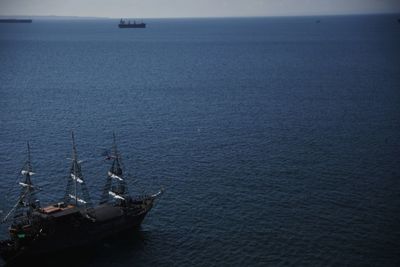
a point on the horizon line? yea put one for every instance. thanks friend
(205, 17)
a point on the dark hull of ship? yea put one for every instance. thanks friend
(15, 21)
(61, 236)
(124, 26)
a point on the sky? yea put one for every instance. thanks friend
(193, 8)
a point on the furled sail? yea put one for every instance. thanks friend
(77, 199)
(112, 175)
(114, 195)
(74, 177)
(24, 172)
(25, 185)
(157, 194)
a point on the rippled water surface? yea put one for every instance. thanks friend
(277, 140)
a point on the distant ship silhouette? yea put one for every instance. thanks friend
(15, 21)
(123, 24)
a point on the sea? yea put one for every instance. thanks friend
(276, 140)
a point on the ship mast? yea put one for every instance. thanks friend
(74, 166)
(76, 192)
(27, 201)
(115, 185)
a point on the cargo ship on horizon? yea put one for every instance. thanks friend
(15, 20)
(123, 24)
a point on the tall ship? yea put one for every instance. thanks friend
(75, 221)
(123, 24)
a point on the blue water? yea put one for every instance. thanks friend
(277, 140)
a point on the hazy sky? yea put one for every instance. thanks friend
(194, 8)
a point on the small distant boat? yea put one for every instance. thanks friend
(15, 21)
(124, 24)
